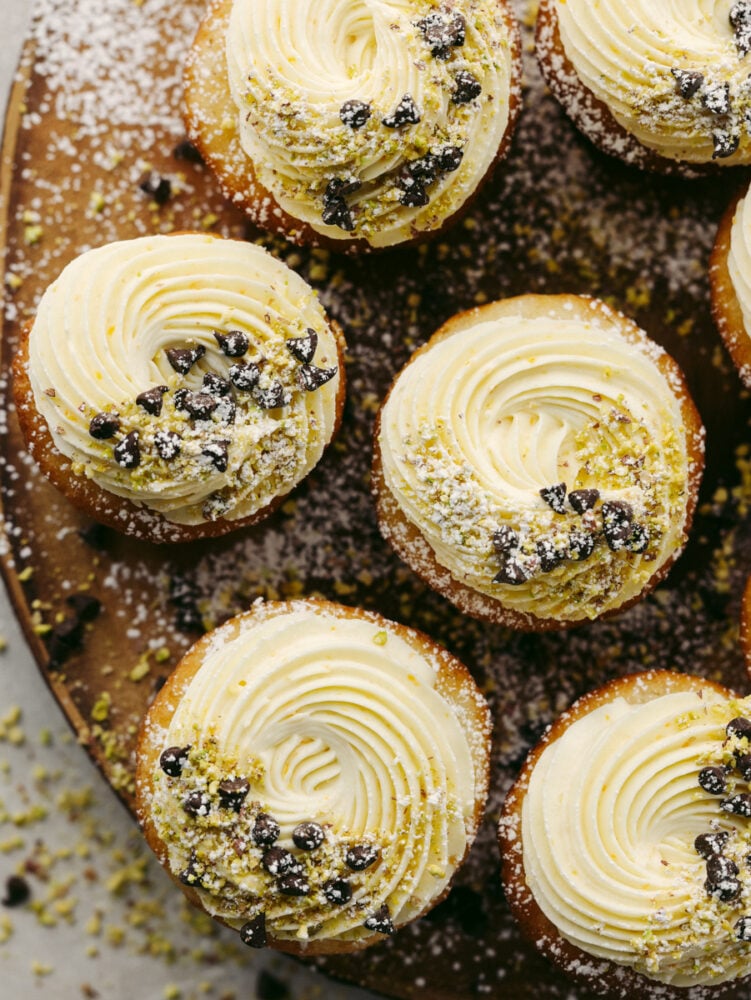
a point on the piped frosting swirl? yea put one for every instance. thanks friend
(131, 367)
(523, 447)
(618, 837)
(371, 118)
(675, 76)
(336, 720)
(739, 259)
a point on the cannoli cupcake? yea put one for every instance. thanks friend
(177, 387)
(660, 85)
(626, 840)
(537, 462)
(353, 127)
(730, 283)
(313, 775)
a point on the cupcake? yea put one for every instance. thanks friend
(353, 127)
(314, 775)
(537, 462)
(626, 839)
(730, 283)
(659, 85)
(178, 387)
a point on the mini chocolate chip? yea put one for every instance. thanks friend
(554, 497)
(127, 453)
(583, 500)
(65, 639)
(245, 377)
(726, 890)
(361, 856)
(505, 540)
(639, 539)
(293, 884)
(216, 385)
(424, 169)
(182, 359)
(739, 727)
(167, 444)
(187, 152)
(194, 874)
(226, 411)
(739, 805)
(743, 763)
(85, 607)
(687, 82)
(740, 20)
(197, 804)
(233, 792)
(550, 556)
(266, 830)
(712, 780)
(312, 378)
(448, 158)
(380, 921)
(617, 523)
(308, 836)
(337, 891)
(442, 32)
(173, 759)
(405, 113)
(716, 98)
(151, 399)
(253, 933)
(413, 193)
(234, 343)
(512, 573)
(277, 861)
(725, 144)
(303, 348)
(218, 454)
(17, 891)
(354, 113)
(104, 426)
(336, 212)
(720, 868)
(272, 397)
(338, 188)
(159, 188)
(467, 87)
(198, 405)
(710, 844)
(743, 929)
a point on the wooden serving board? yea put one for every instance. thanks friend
(95, 105)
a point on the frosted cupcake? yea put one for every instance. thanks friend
(177, 387)
(661, 85)
(730, 283)
(537, 462)
(314, 775)
(626, 840)
(355, 126)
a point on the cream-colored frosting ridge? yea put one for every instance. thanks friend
(739, 259)
(293, 66)
(339, 721)
(484, 418)
(625, 51)
(608, 827)
(100, 338)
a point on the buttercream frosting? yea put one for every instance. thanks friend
(338, 721)
(101, 338)
(294, 67)
(609, 823)
(503, 407)
(739, 259)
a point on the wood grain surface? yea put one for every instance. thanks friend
(97, 104)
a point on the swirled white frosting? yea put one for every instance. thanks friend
(484, 418)
(739, 259)
(608, 827)
(339, 721)
(292, 66)
(99, 340)
(624, 52)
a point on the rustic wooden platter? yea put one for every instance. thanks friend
(95, 105)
